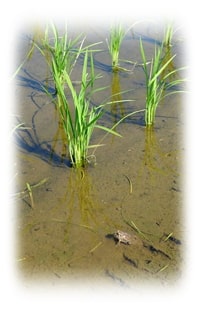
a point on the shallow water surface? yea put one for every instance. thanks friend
(65, 228)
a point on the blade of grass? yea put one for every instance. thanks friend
(30, 194)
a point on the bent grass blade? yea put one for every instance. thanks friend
(30, 194)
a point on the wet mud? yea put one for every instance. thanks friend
(65, 224)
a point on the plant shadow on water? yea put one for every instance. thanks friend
(28, 141)
(27, 80)
(135, 183)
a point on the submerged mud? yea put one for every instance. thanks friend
(66, 222)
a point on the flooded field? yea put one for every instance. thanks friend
(67, 219)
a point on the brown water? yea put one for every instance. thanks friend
(135, 184)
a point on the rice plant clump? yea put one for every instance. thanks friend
(117, 34)
(157, 81)
(79, 118)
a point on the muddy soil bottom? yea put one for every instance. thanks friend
(64, 237)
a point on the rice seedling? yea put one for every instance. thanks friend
(78, 117)
(167, 41)
(157, 81)
(80, 121)
(117, 34)
(64, 52)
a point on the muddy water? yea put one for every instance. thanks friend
(134, 183)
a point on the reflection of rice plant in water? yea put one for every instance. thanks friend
(157, 81)
(117, 108)
(117, 34)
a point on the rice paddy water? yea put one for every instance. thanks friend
(132, 184)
